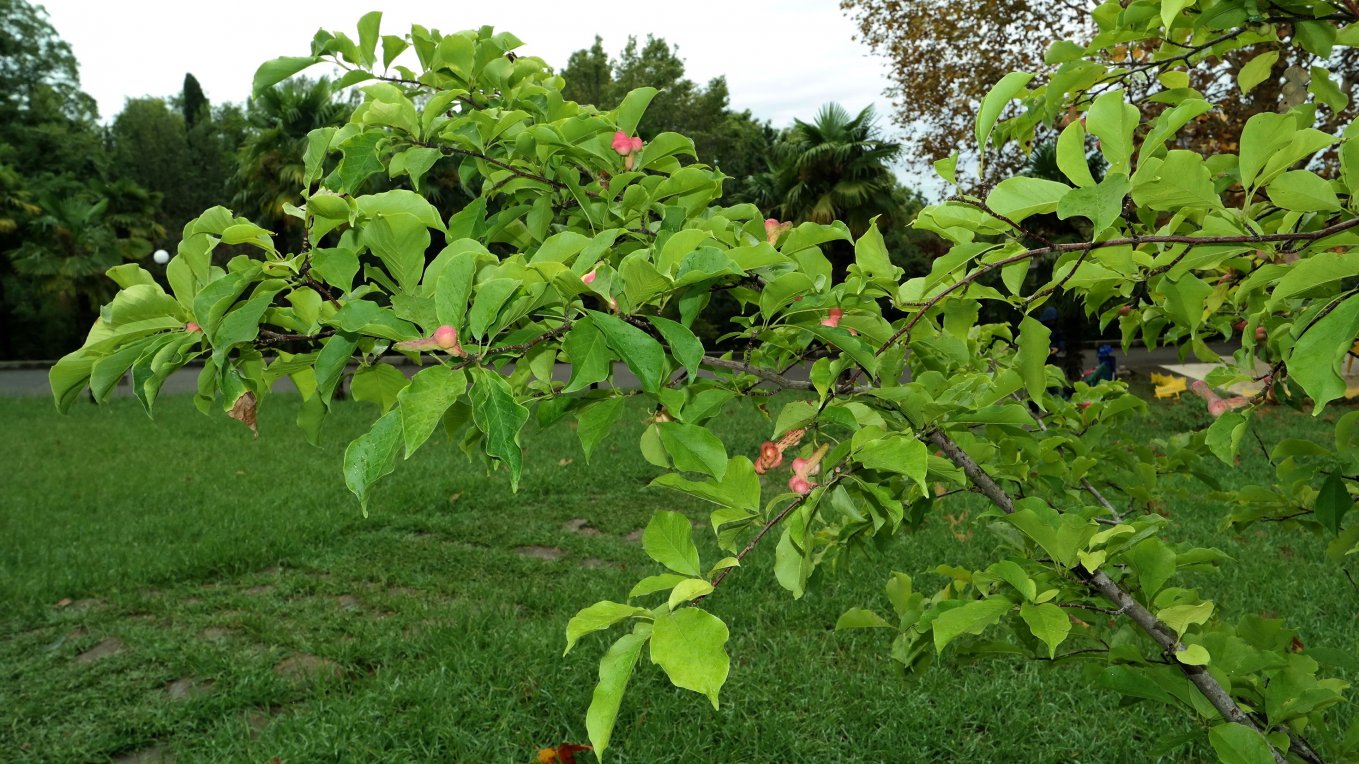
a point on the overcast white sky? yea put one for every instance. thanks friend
(782, 59)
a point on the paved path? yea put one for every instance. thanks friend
(33, 381)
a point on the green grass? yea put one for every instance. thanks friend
(212, 557)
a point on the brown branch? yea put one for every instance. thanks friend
(1003, 219)
(269, 337)
(1044, 292)
(1102, 585)
(1193, 241)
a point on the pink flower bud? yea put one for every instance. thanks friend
(771, 457)
(446, 337)
(832, 318)
(773, 229)
(1221, 406)
(192, 327)
(626, 146)
(590, 277)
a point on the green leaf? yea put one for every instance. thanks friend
(1193, 655)
(870, 254)
(859, 618)
(1048, 623)
(657, 583)
(669, 540)
(1303, 191)
(791, 566)
(1071, 159)
(615, 669)
(598, 617)
(1239, 744)
(643, 354)
(369, 24)
(689, 646)
(1018, 198)
(371, 456)
(498, 415)
(1326, 91)
(453, 285)
(589, 354)
(491, 297)
(596, 421)
(1154, 563)
(1169, 123)
(1314, 362)
(400, 241)
(424, 402)
(1034, 347)
(970, 618)
(632, 108)
(896, 453)
(852, 346)
(1100, 203)
(380, 383)
(1333, 501)
(694, 449)
(1170, 10)
(1010, 86)
(273, 72)
(1181, 617)
(684, 346)
(1224, 435)
(1112, 120)
(1316, 270)
(1256, 70)
(687, 590)
(1262, 137)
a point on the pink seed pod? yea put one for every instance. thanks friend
(833, 317)
(590, 277)
(800, 485)
(192, 327)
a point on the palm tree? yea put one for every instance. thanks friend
(835, 168)
(270, 172)
(70, 245)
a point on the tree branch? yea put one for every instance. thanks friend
(1102, 585)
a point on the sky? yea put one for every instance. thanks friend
(782, 60)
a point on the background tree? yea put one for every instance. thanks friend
(836, 167)
(733, 141)
(193, 104)
(148, 144)
(944, 56)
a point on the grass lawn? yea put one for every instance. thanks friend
(229, 603)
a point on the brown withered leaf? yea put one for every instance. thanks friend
(243, 411)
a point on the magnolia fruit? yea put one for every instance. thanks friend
(192, 327)
(1260, 334)
(833, 317)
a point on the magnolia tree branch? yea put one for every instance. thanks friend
(1192, 241)
(1105, 587)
